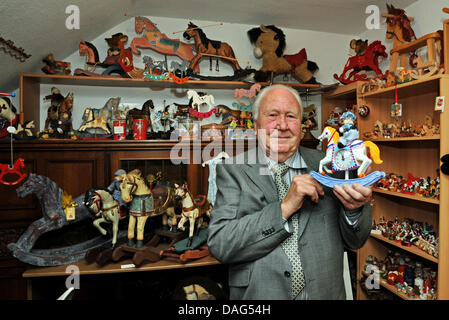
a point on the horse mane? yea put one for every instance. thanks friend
(94, 49)
(149, 26)
(204, 39)
(254, 34)
(407, 31)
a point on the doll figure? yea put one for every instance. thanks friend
(114, 188)
(348, 129)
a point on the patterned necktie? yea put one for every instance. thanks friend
(290, 245)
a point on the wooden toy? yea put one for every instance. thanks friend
(193, 209)
(405, 42)
(105, 209)
(50, 196)
(155, 40)
(206, 47)
(100, 118)
(55, 67)
(365, 60)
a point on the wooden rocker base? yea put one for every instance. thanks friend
(149, 252)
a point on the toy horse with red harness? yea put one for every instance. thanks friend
(101, 203)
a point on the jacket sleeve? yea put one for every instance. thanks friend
(355, 235)
(237, 233)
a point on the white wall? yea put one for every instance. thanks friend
(328, 50)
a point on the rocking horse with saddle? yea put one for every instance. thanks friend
(367, 61)
(346, 157)
(405, 45)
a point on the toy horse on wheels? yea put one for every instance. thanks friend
(349, 157)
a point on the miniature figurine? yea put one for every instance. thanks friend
(114, 188)
(349, 130)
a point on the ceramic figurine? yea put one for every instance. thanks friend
(345, 159)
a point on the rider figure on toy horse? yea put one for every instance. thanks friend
(348, 129)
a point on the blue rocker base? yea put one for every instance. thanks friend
(365, 181)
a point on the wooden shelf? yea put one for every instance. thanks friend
(93, 268)
(414, 250)
(407, 196)
(390, 90)
(435, 137)
(112, 81)
(344, 91)
(392, 288)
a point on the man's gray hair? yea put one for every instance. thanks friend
(265, 90)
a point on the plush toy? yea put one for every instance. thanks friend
(270, 44)
(9, 118)
(359, 46)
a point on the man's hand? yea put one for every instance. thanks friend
(301, 187)
(354, 196)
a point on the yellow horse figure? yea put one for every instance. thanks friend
(356, 150)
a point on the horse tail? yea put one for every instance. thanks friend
(374, 152)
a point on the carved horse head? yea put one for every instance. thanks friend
(398, 24)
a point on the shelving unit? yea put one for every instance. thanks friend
(417, 155)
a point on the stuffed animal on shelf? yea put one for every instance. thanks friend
(270, 44)
(359, 46)
(9, 118)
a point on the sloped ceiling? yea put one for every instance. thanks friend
(38, 26)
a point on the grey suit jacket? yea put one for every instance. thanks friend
(246, 230)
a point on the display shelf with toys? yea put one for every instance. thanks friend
(403, 275)
(411, 129)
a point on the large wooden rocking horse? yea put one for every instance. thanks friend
(405, 43)
(206, 47)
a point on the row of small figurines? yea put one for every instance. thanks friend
(424, 187)
(403, 129)
(408, 233)
(409, 277)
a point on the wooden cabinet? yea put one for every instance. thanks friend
(417, 155)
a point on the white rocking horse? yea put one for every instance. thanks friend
(350, 157)
(198, 100)
(192, 209)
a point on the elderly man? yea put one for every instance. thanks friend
(280, 231)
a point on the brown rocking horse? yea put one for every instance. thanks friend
(206, 47)
(404, 43)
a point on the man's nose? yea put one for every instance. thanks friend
(282, 123)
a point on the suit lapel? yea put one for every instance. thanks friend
(262, 180)
(308, 206)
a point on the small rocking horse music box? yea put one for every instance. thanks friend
(347, 153)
